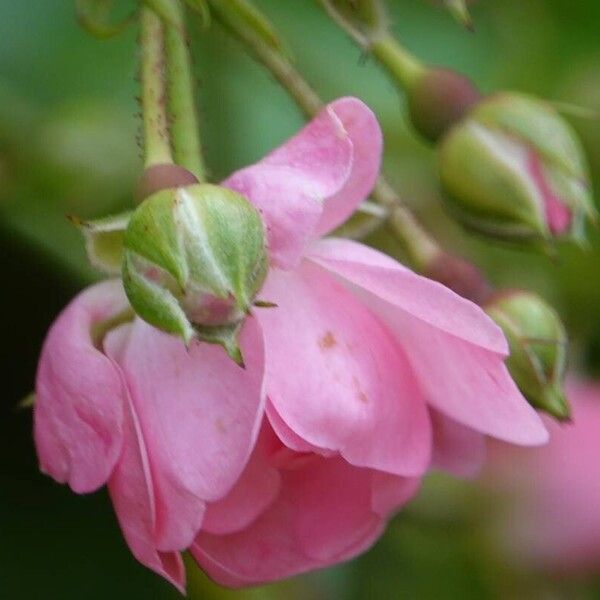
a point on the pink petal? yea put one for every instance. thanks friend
(333, 160)
(558, 215)
(324, 515)
(363, 130)
(199, 414)
(553, 517)
(390, 493)
(423, 299)
(256, 489)
(455, 350)
(79, 408)
(132, 491)
(456, 448)
(336, 377)
(288, 437)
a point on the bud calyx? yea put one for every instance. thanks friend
(538, 348)
(194, 259)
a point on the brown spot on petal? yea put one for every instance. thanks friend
(360, 394)
(220, 426)
(327, 341)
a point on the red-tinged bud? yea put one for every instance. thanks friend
(514, 169)
(438, 99)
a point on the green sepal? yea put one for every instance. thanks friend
(152, 233)
(225, 336)
(27, 402)
(458, 9)
(235, 236)
(95, 17)
(538, 348)
(104, 240)
(155, 303)
(485, 192)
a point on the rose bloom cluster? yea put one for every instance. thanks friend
(360, 378)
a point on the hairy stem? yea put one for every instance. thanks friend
(156, 144)
(183, 117)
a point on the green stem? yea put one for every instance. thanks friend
(404, 67)
(157, 149)
(272, 59)
(183, 118)
(420, 247)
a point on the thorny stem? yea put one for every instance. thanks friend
(420, 246)
(183, 118)
(156, 145)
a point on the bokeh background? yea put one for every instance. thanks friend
(68, 145)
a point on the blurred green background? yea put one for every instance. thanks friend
(68, 130)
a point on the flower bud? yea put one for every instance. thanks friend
(513, 169)
(439, 98)
(538, 348)
(194, 259)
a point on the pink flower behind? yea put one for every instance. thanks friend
(553, 493)
(372, 375)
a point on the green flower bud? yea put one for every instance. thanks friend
(194, 259)
(538, 348)
(513, 169)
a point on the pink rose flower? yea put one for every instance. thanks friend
(552, 517)
(362, 377)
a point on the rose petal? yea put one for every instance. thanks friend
(199, 413)
(256, 489)
(456, 448)
(133, 495)
(455, 350)
(323, 515)
(79, 406)
(336, 377)
(419, 297)
(364, 131)
(315, 180)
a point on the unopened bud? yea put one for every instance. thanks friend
(439, 98)
(194, 260)
(538, 348)
(513, 169)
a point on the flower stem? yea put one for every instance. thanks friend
(420, 247)
(404, 67)
(157, 149)
(183, 117)
(267, 54)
